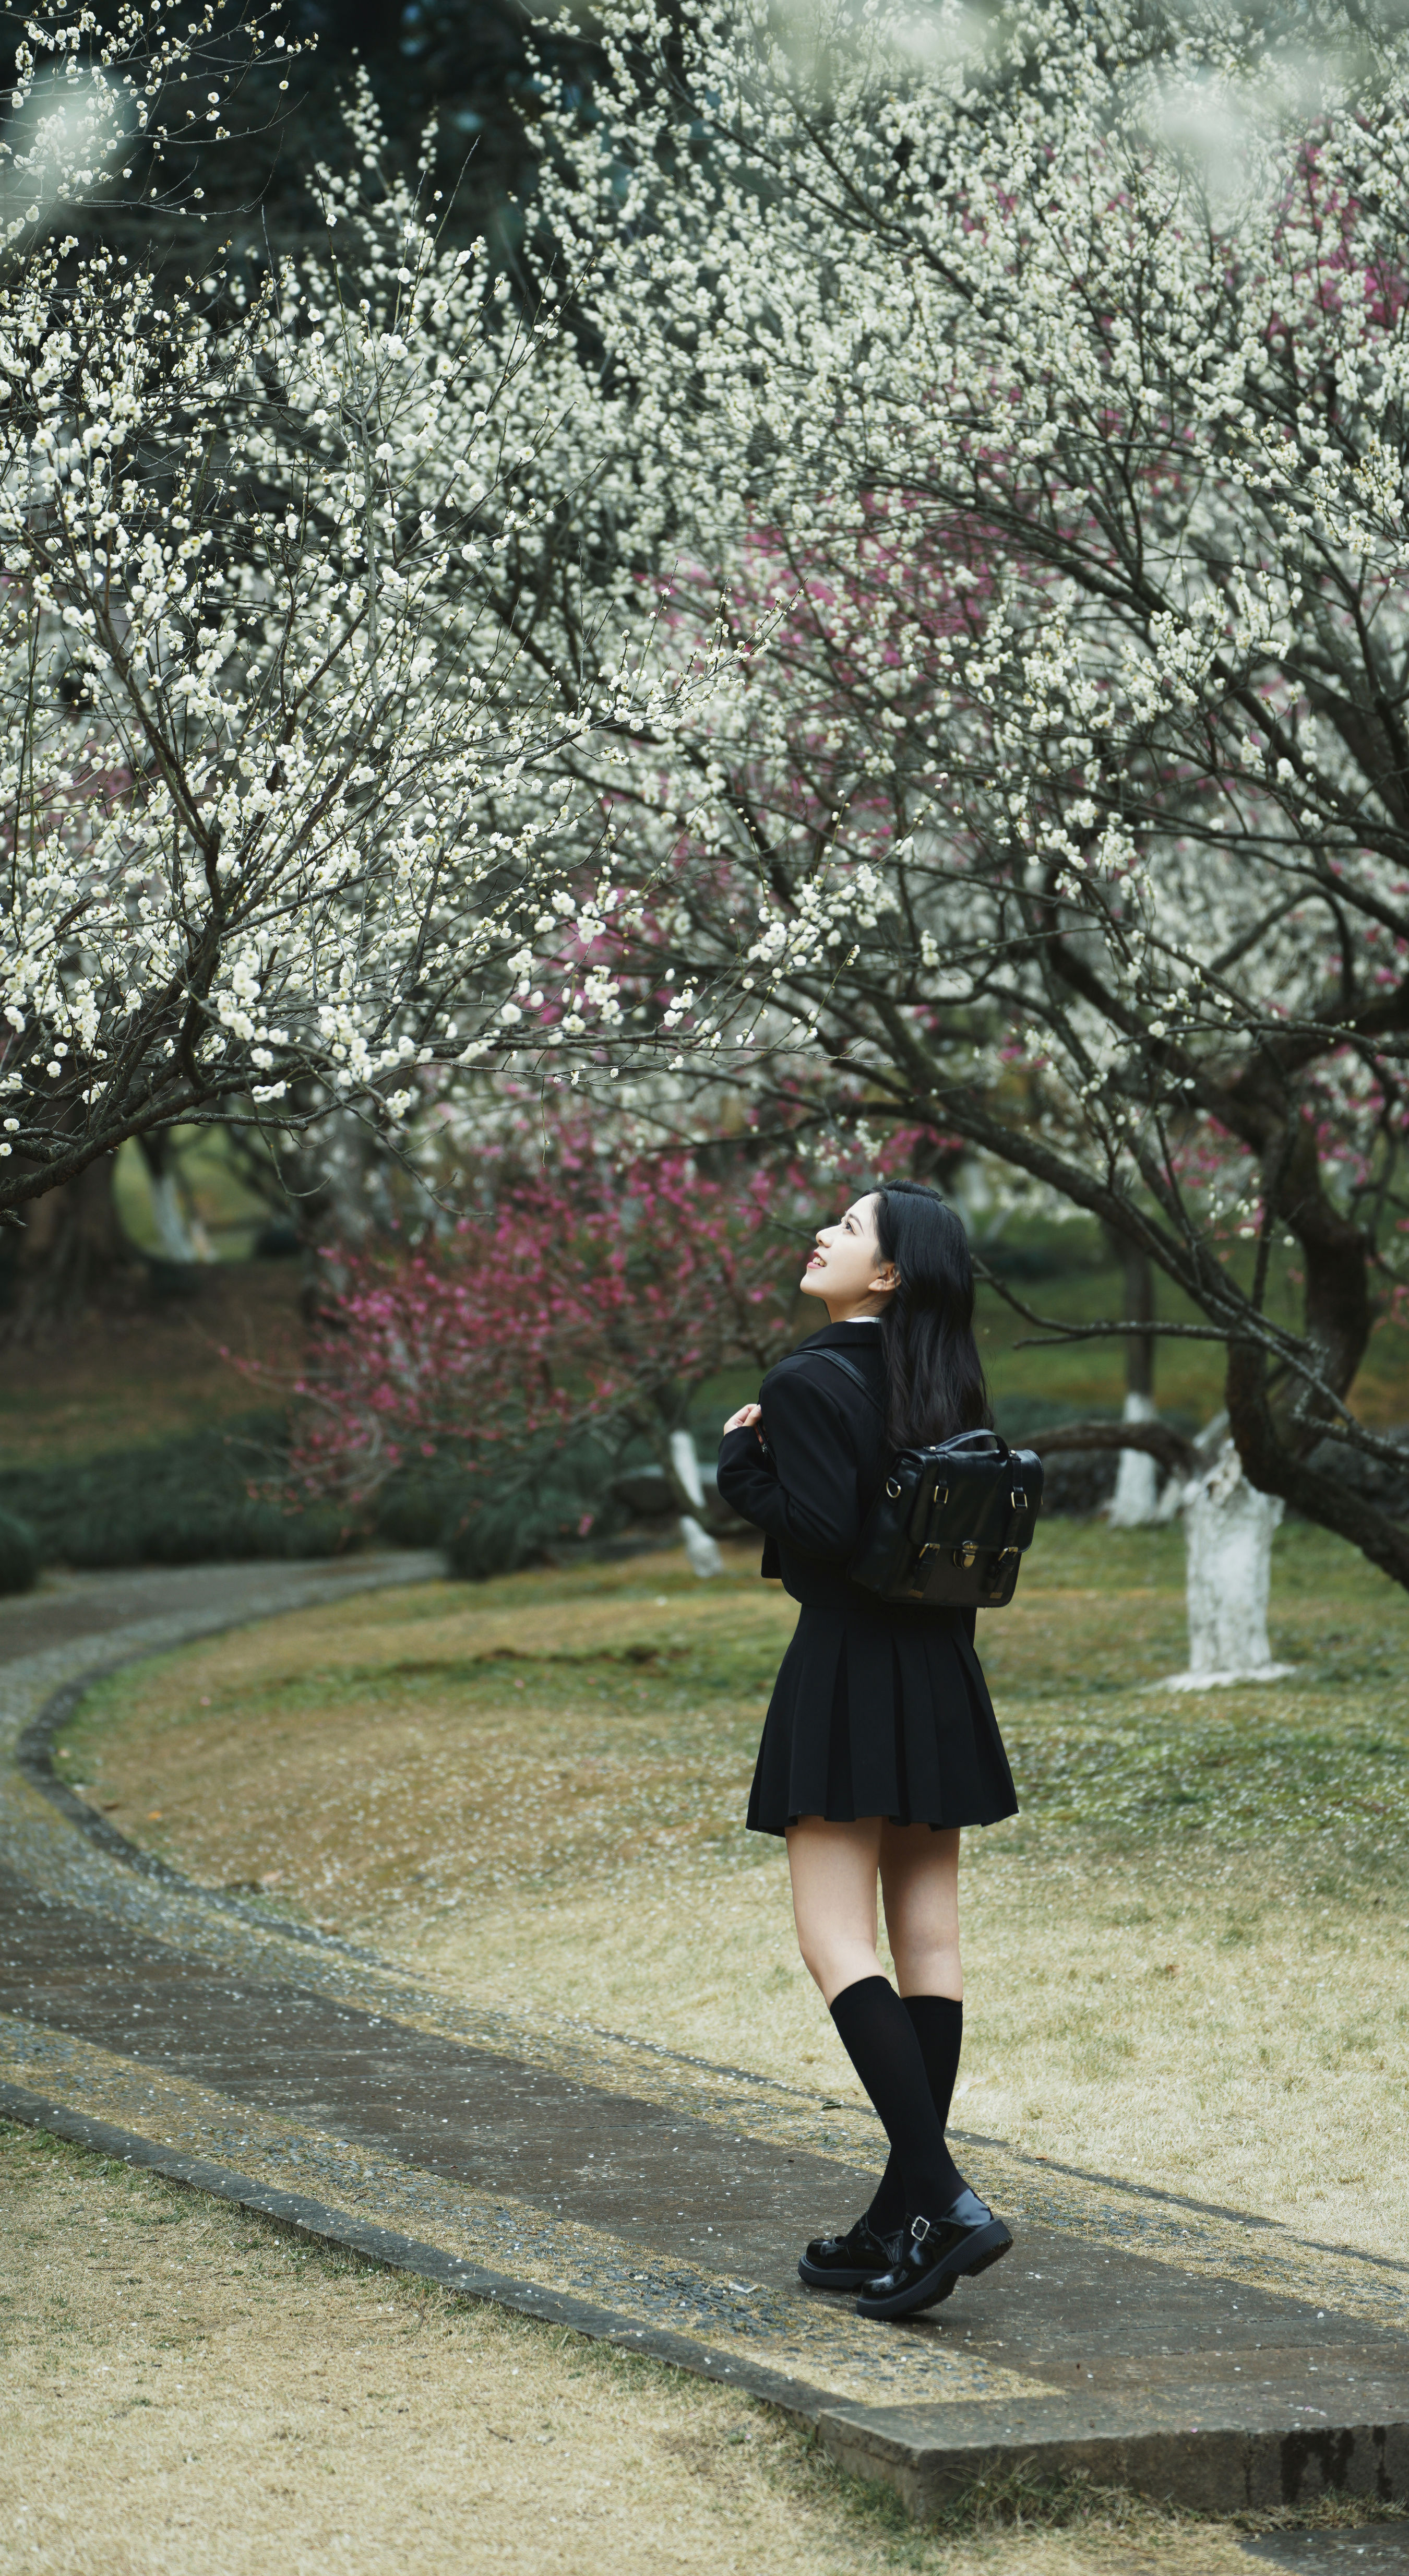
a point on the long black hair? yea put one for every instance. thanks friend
(934, 1376)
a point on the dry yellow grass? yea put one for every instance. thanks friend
(189, 2392)
(1185, 1957)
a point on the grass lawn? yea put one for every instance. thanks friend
(1185, 1956)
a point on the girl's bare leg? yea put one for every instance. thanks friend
(833, 1869)
(920, 1884)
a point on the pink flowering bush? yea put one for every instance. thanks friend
(591, 1297)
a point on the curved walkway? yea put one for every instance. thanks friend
(626, 2191)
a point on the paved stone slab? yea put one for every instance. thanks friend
(1067, 2313)
(1377, 2548)
(1075, 2351)
(68, 1607)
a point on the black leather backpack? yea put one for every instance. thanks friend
(949, 1525)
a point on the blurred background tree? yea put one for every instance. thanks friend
(461, 66)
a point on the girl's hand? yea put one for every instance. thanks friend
(745, 1418)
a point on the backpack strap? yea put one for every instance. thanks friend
(850, 1369)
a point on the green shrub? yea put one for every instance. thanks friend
(544, 1498)
(414, 1506)
(178, 1502)
(19, 1556)
(187, 1502)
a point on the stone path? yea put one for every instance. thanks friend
(629, 2191)
(1371, 2549)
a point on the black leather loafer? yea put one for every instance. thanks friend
(938, 2252)
(848, 2262)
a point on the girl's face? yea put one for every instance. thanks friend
(846, 1270)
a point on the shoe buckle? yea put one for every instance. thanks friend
(919, 2229)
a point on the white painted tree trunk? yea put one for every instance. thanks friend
(1136, 1498)
(168, 1216)
(700, 1548)
(1228, 1527)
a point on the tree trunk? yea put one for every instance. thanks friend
(174, 1231)
(1135, 1501)
(71, 1249)
(1338, 1314)
(700, 1548)
(1228, 1529)
(323, 1173)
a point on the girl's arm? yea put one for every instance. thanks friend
(805, 1492)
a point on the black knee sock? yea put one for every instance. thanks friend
(938, 2022)
(882, 2042)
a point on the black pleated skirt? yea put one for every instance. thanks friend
(880, 1716)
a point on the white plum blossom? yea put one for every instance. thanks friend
(282, 793)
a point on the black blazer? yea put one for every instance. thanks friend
(811, 1491)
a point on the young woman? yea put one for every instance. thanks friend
(880, 1741)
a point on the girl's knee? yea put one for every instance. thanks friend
(929, 1968)
(835, 1963)
(817, 1958)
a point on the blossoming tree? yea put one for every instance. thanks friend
(1069, 813)
(1062, 451)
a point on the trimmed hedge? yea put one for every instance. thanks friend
(177, 1502)
(186, 1502)
(545, 1499)
(19, 1556)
